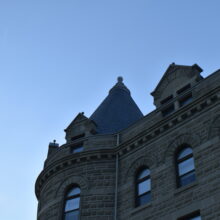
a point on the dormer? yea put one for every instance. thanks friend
(79, 128)
(173, 90)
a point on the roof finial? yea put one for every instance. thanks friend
(120, 79)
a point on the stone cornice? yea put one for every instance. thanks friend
(52, 157)
(68, 161)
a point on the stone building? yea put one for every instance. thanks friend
(120, 164)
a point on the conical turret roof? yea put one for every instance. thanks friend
(117, 111)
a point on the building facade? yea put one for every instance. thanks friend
(121, 165)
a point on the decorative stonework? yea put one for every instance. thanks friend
(79, 180)
(189, 139)
(175, 74)
(168, 78)
(148, 161)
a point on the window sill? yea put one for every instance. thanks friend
(184, 188)
(139, 208)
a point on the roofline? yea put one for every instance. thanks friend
(196, 66)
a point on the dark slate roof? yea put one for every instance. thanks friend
(117, 111)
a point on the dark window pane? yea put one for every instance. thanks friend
(188, 178)
(141, 200)
(185, 100)
(144, 187)
(72, 215)
(77, 149)
(74, 191)
(77, 137)
(186, 166)
(168, 110)
(185, 152)
(144, 173)
(166, 99)
(196, 218)
(72, 204)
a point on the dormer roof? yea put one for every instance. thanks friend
(78, 119)
(175, 77)
(80, 126)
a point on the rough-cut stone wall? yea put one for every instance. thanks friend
(168, 201)
(97, 181)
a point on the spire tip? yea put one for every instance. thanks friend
(120, 79)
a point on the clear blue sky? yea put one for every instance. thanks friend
(58, 58)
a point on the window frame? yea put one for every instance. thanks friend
(138, 182)
(185, 100)
(67, 198)
(168, 110)
(167, 99)
(77, 146)
(78, 137)
(183, 89)
(178, 161)
(191, 215)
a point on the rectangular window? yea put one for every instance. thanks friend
(195, 216)
(77, 148)
(77, 137)
(168, 110)
(166, 99)
(185, 100)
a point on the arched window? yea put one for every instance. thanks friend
(185, 166)
(72, 203)
(143, 187)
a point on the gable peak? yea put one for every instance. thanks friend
(175, 77)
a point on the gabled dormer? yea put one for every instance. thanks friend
(80, 127)
(173, 90)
